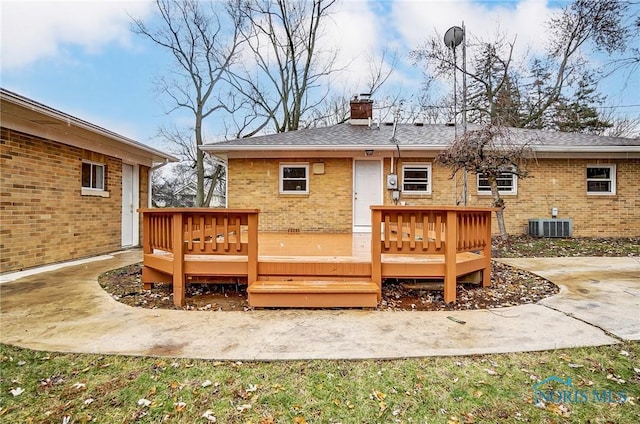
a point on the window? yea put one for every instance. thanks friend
(416, 178)
(294, 178)
(507, 183)
(601, 179)
(93, 175)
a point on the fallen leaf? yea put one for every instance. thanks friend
(299, 420)
(378, 395)
(179, 406)
(243, 408)
(17, 391)
(208, 415)
(559, 409)
(79, 386)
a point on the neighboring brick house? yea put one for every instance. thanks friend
(68, 188)
(325, 179)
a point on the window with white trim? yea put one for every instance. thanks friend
(416, 178)
(601, 179)
(507, 183)
(294, 178)
(93, 176)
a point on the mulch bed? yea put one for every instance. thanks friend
(509, 287)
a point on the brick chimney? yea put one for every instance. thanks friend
(361, 110)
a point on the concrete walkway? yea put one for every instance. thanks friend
(64, 309)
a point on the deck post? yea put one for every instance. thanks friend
(146, 233)
(450, 250)
(146, 243)
(252, 248)
(486, 252)
(178, 260)
(376, 250)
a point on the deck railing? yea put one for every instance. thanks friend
(181, 241)
(418, 230)
(201, 231)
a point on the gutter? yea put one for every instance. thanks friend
(392, 147)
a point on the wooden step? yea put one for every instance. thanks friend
(313, 294)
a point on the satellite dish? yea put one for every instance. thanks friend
(453, 37)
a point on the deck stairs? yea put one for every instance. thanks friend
(314, 282)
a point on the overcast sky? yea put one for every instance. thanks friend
(81, 57)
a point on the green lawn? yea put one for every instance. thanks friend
(71, 388)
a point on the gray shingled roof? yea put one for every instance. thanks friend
(416, 136)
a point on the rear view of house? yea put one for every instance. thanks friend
(326, 179)
(69, 189)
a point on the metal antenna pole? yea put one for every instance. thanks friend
(464, 104)
(452, 38)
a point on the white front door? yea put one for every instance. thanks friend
(128, 206)
(367, 191)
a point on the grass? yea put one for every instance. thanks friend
(71, 388)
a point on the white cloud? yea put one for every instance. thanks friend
(33, 30)
(360, 28)
(417, 21)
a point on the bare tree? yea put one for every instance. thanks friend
(204, 43)
(183, 146)
(489, 74)
(495, 80)
(489, 151)
(582, 21)
(621, 126)
(283, 84)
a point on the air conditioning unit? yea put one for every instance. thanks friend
(540, 227)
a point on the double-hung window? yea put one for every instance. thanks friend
(601, 179)
(416, 178)
(294, 178)
(93, 176)
(507, 183)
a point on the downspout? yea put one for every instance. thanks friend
(149, 182)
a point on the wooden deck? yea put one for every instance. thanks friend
(312, 269)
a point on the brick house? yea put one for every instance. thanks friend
(325, 179)
(69, 189)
